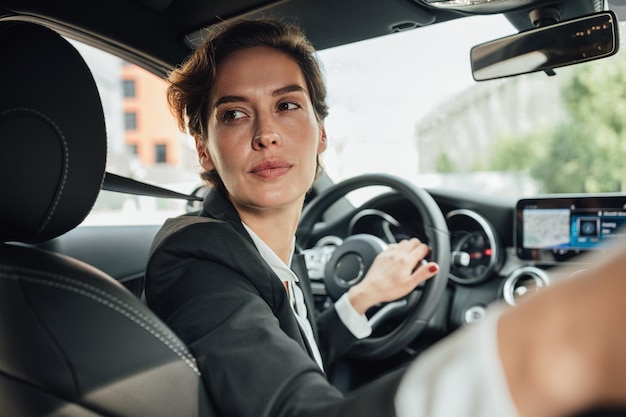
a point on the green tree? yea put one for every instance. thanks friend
(587, 152)
(574, 163)
(518, 153)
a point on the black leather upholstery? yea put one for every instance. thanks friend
(53, 140)
(73, 341)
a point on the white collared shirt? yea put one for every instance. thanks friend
(355, 322)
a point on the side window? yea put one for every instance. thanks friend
(144, 142)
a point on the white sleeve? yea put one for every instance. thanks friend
(460, 376)
(355, 322)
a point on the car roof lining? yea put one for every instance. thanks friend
(155, 30)
(154, 34)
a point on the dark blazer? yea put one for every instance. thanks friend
(207, 281)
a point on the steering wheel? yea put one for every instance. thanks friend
(350, 261)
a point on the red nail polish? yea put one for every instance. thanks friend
(432, 268)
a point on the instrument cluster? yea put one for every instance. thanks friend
(476, 251)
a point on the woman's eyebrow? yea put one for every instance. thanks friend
(289, 89)
(229, 99)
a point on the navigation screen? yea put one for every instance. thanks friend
(560, 228)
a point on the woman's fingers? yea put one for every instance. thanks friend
(395, 272)
(412, 253)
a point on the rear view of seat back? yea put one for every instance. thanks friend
(73, 341)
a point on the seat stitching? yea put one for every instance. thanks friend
(66, 159)
(123, 308)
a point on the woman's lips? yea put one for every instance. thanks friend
(271, 168)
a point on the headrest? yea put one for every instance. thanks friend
(52, 134)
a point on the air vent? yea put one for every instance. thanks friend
(523, 282)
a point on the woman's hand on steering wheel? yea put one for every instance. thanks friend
(416, 308)
(395, 272)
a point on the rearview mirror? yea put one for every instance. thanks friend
(565, 43)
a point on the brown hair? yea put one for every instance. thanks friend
(190, 83)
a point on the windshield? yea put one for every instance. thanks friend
(407, 104)
(404, 104)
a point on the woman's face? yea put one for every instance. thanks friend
(264, 137)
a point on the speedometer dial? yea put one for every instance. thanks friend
(476, 251)
(476, 246)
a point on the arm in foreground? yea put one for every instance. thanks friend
(558, 353)
(564, 349)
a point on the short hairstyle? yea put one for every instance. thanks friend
(191, 82)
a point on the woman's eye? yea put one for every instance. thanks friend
(230, 115)
(285, 106)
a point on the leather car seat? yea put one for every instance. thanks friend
(73, 341)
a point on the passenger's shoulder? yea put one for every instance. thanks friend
(193, 230)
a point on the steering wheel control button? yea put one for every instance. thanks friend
(318, 256)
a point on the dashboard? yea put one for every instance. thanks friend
(501, 250)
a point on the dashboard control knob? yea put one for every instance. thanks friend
(474, 314)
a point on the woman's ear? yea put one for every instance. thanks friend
(323, 144)
(203, 155)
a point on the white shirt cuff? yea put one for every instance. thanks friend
(460, 376)
(355, 322)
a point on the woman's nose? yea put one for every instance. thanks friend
(265, 134)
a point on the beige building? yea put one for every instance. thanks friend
(165, 155)
(151, 132)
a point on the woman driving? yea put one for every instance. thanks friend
(231, 283)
